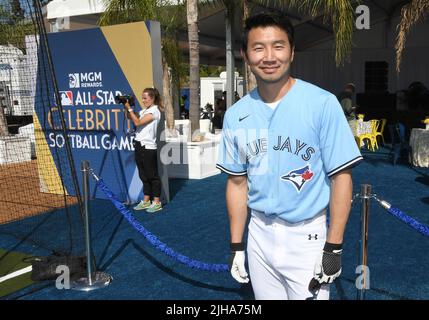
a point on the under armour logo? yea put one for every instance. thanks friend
(310, 237)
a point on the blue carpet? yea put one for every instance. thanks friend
(195, 224)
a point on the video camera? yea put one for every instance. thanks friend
(124, 98)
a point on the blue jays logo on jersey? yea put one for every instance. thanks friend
(299, 177)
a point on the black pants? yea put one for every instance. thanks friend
(147, 164)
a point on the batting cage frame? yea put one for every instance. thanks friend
(41, 206)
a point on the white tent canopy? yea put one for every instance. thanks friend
(71, 8)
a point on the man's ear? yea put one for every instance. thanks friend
(292, 54)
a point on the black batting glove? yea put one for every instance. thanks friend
(328, 266)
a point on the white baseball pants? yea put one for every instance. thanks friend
(282, 256)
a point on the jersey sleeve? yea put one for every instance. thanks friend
(339, 150)
(230, 160)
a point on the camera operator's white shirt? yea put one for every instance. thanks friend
(146, 134)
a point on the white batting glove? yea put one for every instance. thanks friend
(237, 260)
(328, 266)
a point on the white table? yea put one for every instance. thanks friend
(419, 143)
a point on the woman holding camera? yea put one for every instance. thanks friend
(146, 122)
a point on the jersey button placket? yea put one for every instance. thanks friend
(271, 177)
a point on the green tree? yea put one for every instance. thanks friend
(17, 11)
(339, 13)
(13, 28)
(210, 71)
(411, 13)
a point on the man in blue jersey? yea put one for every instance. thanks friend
(288, 151)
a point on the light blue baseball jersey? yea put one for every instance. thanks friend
(289, 153)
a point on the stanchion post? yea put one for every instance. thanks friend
(85, 188)
(93, 280)
(365, 195)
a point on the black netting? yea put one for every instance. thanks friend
(39, 197)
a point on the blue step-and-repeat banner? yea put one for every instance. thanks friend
(92, 66)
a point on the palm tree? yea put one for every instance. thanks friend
(249, 77)
(340, 13)
(171, 57)
(411, 13)
(231, 8)
(17, 12)
(170, 18)
(3, 124)
(194, 66)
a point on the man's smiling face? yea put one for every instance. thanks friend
(269, 54)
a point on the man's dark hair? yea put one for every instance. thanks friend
(268, 20)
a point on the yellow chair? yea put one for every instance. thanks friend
(371, 137)
(380, 133)
(375, 124)
(360, 141)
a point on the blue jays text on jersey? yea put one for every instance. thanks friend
(288, 153)
(296, 147)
